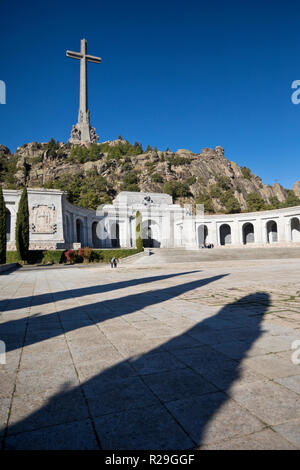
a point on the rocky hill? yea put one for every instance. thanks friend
(95, 174)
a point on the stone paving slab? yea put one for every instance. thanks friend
(262, 440)
(145, 428)
(30, 412)
(76, 435)
(270, 402)
(167, 357)
(292, 383)
(290, 431)
(229, 420)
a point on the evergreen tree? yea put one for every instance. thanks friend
(22, 227)
(138, 231)
(255, 202)
(2, 229)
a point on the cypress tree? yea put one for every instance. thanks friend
(22, 227)
(138, 234)
(2, 229)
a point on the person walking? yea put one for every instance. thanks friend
(113, 262)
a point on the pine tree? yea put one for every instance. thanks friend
(22, 227)
(2, 229)
(138, 231)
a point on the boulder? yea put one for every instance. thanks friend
(219, 151)
(184, 152)
(296, 188)
(4, 151)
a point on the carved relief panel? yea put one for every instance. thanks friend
(43, 218)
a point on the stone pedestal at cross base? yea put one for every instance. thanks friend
(83, 132)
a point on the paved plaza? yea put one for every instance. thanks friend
(179, 356)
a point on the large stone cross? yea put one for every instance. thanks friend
(82, 131)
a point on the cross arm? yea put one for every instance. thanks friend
(74, 55)
(92, 58)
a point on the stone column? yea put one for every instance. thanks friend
(235, 240)
(258, 225)
(288, 230)
(213, 233)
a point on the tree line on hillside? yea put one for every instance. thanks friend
(119, 172)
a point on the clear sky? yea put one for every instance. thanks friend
(178, 74)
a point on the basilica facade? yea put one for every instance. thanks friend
(55, 223)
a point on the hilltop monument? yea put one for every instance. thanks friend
(83, 132)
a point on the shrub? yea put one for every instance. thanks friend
(123, 148)
(176, 189)
(70, 255)
(224, 182)
(38, 256)
(83, 154)
(130, 182)
(292, 199)
(177, 161)
(246, 173)
(52, 147)
(8, 169)
(12, 257)
(205, 199)
(53, 257)
(274, 203)
(87, 253)
(156, 178)
(190, 180)
(106, 255)
(255, 202)
(232, 205)
(215, 191)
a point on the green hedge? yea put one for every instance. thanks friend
(38, 257)
(105, 256)
(57, 256)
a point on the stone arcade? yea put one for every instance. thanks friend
(57, 224)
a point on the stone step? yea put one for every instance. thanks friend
(175, 255)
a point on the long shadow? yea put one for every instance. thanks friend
(167, 398)
(10, 270)
(43, 299)
(46, 326)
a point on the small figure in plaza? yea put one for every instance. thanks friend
(114, 262)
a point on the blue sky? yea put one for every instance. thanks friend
(178, 74)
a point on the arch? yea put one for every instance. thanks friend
(95, 239)
(79, 231)
(150, 234)
(225, 234)
(8, 224)
(248, 233)
(272, 234)
(202, 235)
(115, 235)
(295, 229)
